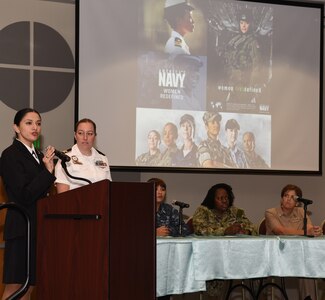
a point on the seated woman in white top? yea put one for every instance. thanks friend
(86, 161)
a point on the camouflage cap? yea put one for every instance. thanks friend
(245, 16)
(210, 116)
(232, 124)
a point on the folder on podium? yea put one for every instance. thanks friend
(97, 242)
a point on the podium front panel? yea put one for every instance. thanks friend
(97, 242)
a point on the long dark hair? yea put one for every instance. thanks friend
(209, 198)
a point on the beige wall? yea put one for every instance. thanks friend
(58, 123)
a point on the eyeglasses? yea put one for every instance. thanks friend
(88, 133)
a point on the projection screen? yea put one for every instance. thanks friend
(203, 85)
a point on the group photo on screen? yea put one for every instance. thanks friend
(192, 139)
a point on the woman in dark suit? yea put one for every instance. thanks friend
(27, 176)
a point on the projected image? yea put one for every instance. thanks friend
(180, 138)
(205, 84)
(228, 73)
(239, 55)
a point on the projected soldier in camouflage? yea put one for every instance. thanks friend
(254, 160)
(170, 135)
(211, 153)
(153, 156)
(242, 55)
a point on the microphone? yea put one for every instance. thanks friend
(180, 204)
(304, 201)
(62, 155)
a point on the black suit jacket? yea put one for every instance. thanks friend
(26, 181)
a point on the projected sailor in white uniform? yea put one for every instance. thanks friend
(178, 14)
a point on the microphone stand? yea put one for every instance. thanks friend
(64, 166)
(180, 221)
(305, 219)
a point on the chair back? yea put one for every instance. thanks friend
(189, 224)
(262, 227)
(323, 226)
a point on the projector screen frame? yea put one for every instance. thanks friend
(318, 171)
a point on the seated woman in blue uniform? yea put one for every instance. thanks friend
(167, 217)
(86, 161)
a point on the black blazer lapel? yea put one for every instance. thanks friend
(22, 148)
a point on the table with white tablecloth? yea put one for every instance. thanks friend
(184, 264)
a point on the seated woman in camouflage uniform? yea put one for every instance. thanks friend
(217, 216)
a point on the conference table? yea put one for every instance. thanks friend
(185, 264)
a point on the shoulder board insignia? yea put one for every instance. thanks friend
(178, 42)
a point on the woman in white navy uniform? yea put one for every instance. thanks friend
(178, 14)
(86, 161)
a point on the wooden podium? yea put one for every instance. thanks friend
(97, 242)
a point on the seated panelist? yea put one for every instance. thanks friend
(167, 217)
(288, 219)
(217, 216)
(85, 161)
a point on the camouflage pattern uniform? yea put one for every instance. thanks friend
(255, 161)
(242, 59)
(207, 222)
(146, 159)
(212, 149)
(168, 156)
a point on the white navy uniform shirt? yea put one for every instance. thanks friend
(176, 44)
(94, 168)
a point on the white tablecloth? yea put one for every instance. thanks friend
(184, 264)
